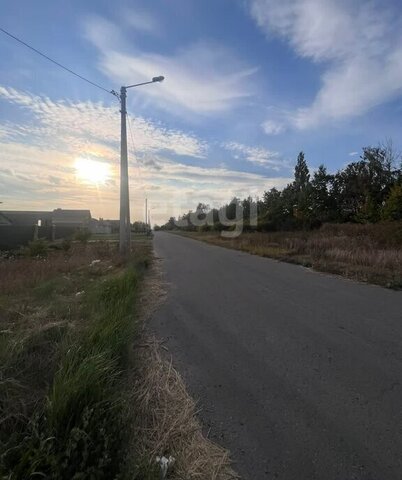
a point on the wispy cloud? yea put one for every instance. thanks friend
(183, 186)
(359, 44)
(272, 127)
(83, 125)
(39, 154)
(257, 155)
(201, 78)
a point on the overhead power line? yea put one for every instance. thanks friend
(134, 151)
(57, 63)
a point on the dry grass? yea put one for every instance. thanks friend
(19, 272)
(165, 416)
(69, 306)
(42, 321)
(167, 424)
(370, 253)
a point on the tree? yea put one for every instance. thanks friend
(302, 191)
(273, 211)
(302, 174)
(364, 191)
(361, 188)
(231, 209)
(392, 209)
(321, 200)
(378, 180)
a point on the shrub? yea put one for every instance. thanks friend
(37, 248)
(392, 209)
(82, 235)
(66, 244)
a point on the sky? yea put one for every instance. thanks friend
(248, 84)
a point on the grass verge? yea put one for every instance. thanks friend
(369, 253)
(166, 421)
(165, 417)
(64, 333)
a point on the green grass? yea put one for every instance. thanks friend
(63, 394)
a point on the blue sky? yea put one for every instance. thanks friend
(249, 83)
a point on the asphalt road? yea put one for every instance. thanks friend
(298, 373)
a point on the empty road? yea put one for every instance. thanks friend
(298, 373)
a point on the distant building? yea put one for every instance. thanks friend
(71, 218)
(20, 227)
(28, 218)
(114, 225)
(100, 226)
(59, 217)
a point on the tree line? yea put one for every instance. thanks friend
(365, 191)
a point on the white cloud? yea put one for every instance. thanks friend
(83, 125)
(38, 156)
(359, 44)
(183, 186)
(271, 127)
(201, 78)
(257, 155)
(35, 178)
(353, 154)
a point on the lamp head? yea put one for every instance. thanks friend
(158, 79)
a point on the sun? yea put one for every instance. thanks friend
(92, 171)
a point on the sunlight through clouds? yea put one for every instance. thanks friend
(92, 171)
(67, 155)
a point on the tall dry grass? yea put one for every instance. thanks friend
(166, 422)
(371, 253)
(19, 272)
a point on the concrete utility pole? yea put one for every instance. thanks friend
(146, 211)
(125, 226)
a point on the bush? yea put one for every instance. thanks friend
(66, 244)
(37, 248)
(392, 209)
(82, 236)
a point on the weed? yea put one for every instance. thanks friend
(82, 236)
(62, 388)
(36, 248)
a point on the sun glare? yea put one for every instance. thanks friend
(92, 171)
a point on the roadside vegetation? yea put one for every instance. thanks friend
(66, 320)
(348, 222)
(166, 421)
(369, 253)
(84, 392)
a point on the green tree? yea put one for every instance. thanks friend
(273, 210)
(302, 174)
(302, 191)
(321, 199)
(392, 209)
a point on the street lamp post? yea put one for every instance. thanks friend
(125, 226)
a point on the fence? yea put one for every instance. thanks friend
(12, 237)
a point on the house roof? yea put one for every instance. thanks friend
(4, 220)
(71, 216)
(58, 216)
(14, 217)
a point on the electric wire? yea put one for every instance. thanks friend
(142, 183)
(57, 63)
